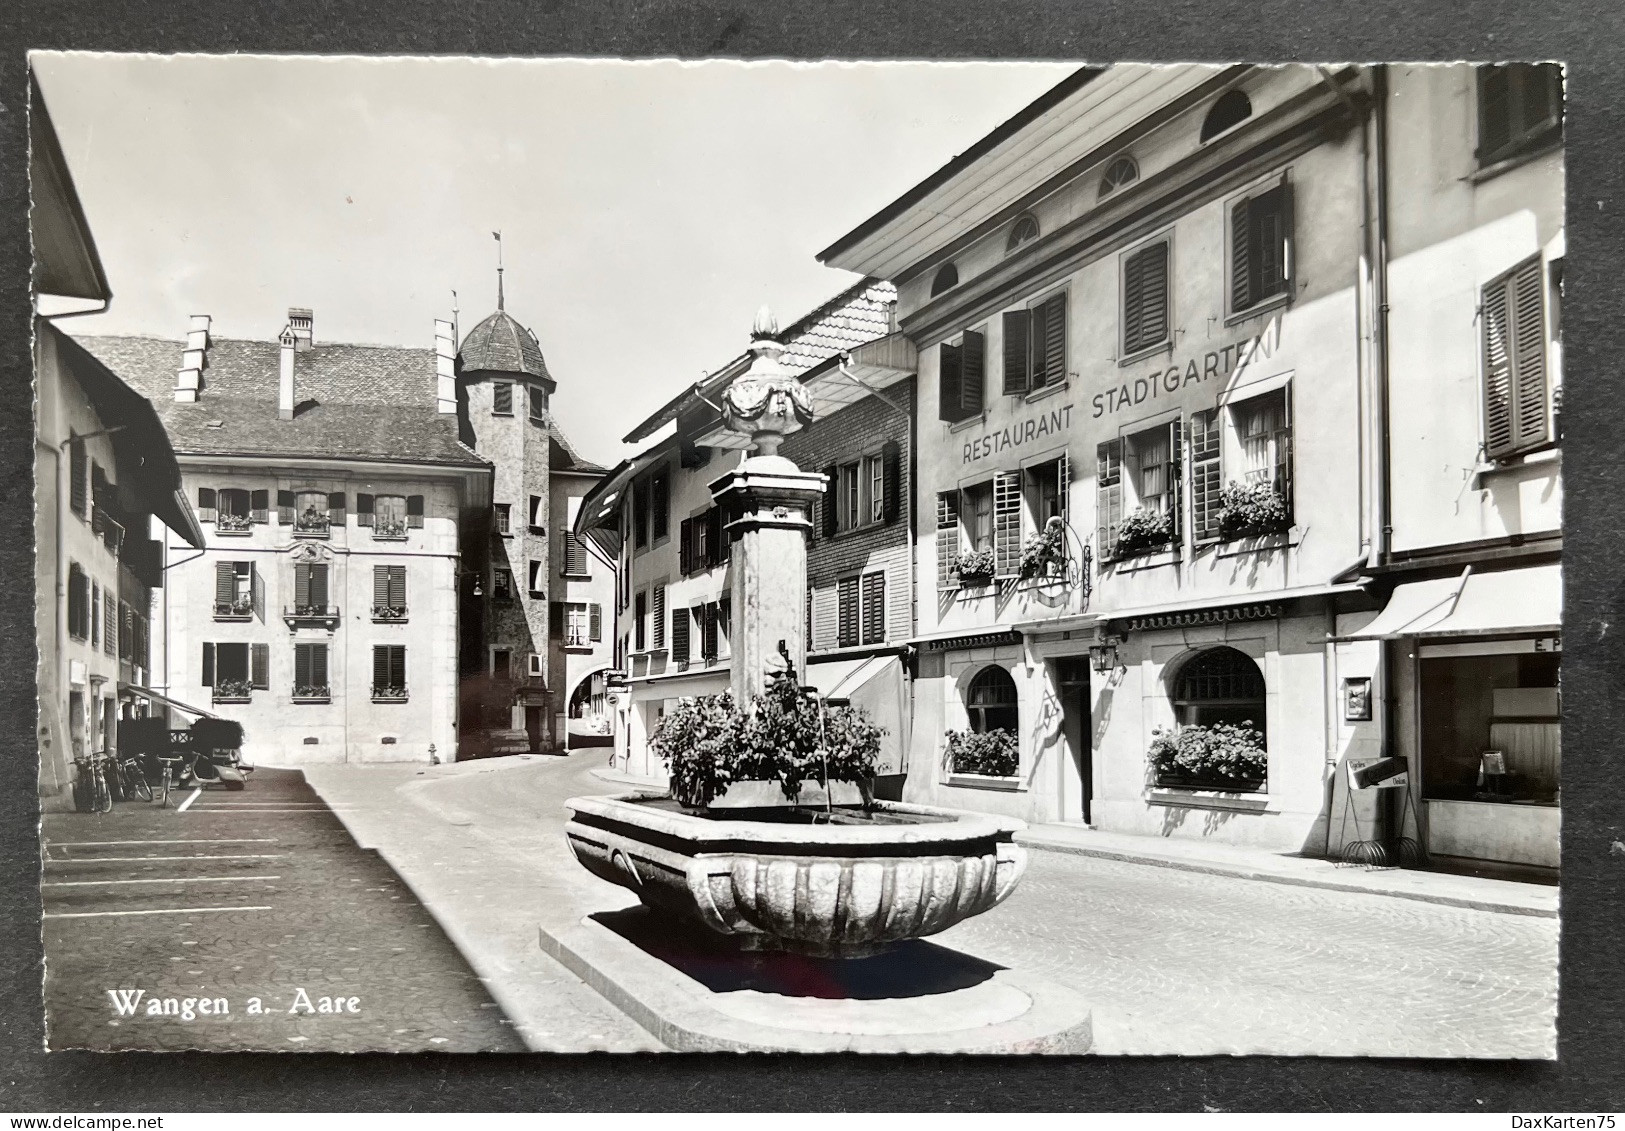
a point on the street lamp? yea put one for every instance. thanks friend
(1103, 654)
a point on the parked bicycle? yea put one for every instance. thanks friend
(91, 791)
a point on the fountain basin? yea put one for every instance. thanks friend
(846, 883)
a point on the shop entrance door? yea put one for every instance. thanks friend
(1078, 773)
(533, 724)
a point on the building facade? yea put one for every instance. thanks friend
(323, 612)
(105, 480)
(656, 516)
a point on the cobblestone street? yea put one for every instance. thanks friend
(244, 895)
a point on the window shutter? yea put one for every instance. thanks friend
(259, 506)
(318, 584)
(891, 458)
(397, 665)
(534, 582)
(685, 547)
(363, 510)
(1063, 486)
(1007, 523)
(1499, 432)
(1526, 294)
(1109, 497)
(947, 538)
(640, 621)
(662, 503)
(973, 374)
(679, 633)
(335, 508)
(301, 584)
(659, 617)
(205, 504)
(1175, 472)
(1205, 475)
(716, 551)
(414, 510)
(1145, 298)
(301, 665)
(709, 642)
(595, 622)
(380, 667)
(829, 507)
(1241, 286)
(874, 608)
(259, 666)
(380, 586)
(318, 665)
(555, 619)
(208, 665)
(950, 371)
(284, 507)
(225, 583)
(397, 586)
(846, 633)
(78, 488)
(1017, 351)
(1054, 340)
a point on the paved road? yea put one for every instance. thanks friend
(246, 895)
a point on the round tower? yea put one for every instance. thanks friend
(503, 395)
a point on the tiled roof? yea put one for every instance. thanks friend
(500, 344)
(373, 402)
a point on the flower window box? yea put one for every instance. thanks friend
(1252, 509)
(240, 609)
(386, 614)
(973, 567)
(226, 523)
(313, 693)
(389, 694)
(989, 754)
(386, 529)
(233, 691)
(1221, 757)
(1142, 532)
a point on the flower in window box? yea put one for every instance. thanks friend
(224, 520)
(1251, 509)
(313, 691)
(312, 521)
(973, 567)
(1045, 550)
(390, 691)
(385, 527)
(1223, 756)
(1142, 531)
(237, 607)
(388, 612)
(310, 610)
(232, 689)
(993, 753)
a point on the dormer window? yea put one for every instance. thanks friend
(947, 277)
(1025, 230)
(1232, 108)
(1121, 172)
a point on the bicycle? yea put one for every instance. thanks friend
(91, 791)
(132, 775)
(168, 765)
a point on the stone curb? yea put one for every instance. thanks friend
(1243, 871)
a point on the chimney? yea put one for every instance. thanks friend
(284, 400)
(303, 324)
(445, 367)
(194, 359)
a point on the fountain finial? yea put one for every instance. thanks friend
(765, 326)
(766, 401)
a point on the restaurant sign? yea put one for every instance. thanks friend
(1019, 434)
(1219, 363)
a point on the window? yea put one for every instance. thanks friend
(389, 672)
(501, 398)
(1517, 394)
(1205, 480)
(575, 556)
(640, 513)
(233, 590)
(660, 503)
(583, 624)
(79, 478)
(390, 515)
(864, 492)
(1219, 685)
(501, 662)
(1024, 230)
(535, 665)
(388, 592)
(990, 701)
(538, 578)
(640, 620)
(538, 407)
(1046, 491)
(1265, 431)
(126, 637)
(501, 584)
(235, 670)
(310, 679)
(537, 512)
(1520, 108)
(977, 508)
(234, 510)
(1261, 247)
(1145, 298)
(1232, 108)
(504, 518)
(78, 602)
(1035, 346)
(308, 512)
(1153, 457)
(947, 277)
(701, 544)
(310, 588)
(1120, 172)
(1108, 497)
(961, 370)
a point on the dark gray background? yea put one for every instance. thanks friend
(1588, 1073)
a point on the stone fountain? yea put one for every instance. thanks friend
(825, 882)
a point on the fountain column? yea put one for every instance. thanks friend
(767, 514)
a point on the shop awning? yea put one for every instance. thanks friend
(876, 685)
(1529, 599)
(164, 700)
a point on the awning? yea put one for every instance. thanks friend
(164, 700)
(1529, 599)
(876, 685)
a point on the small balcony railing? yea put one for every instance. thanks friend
(389, 694)
(388, 614)
(313, 524)
(241, 609)
(312, 693)
(325, 615)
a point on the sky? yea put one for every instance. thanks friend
(647, 209)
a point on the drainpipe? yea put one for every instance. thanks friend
(1385, 531)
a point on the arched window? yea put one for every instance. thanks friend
(1232, 107)
(1220, 685)
(947, 276)
(1119, 173)
(991, 701)
(1025, 230)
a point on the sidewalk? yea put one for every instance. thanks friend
(1504, 896)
